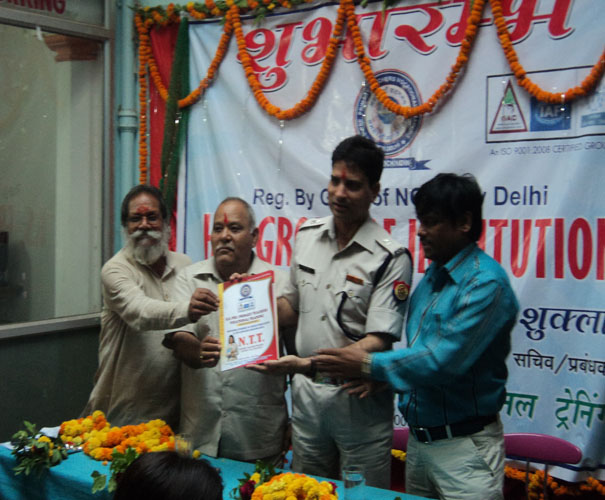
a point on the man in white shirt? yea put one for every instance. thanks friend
(237, 414)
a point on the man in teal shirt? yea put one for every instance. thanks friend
(451, 377)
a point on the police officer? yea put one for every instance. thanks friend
(349, 282)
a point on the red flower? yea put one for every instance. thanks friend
(246, 490)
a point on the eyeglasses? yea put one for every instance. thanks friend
(136, 219)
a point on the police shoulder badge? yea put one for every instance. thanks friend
(401, 290)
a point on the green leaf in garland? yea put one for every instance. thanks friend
(34, 451)
(99, 481)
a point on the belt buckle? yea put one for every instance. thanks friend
(426, 432)
(318, 378)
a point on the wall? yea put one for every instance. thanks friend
(46, 379)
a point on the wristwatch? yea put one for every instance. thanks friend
(313, 370)
(366, 366)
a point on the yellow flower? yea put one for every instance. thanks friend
(99, 439)
(94, 442)
(196, 453)
(255, 477)
(43, 439)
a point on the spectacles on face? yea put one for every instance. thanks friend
(151, 218)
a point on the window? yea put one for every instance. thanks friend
(52, 162)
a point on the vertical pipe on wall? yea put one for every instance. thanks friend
(127, 113)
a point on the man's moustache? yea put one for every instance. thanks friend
(140, 233)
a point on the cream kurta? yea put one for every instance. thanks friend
(138, 379)
(237, 414)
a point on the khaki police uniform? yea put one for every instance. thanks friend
(340, 296)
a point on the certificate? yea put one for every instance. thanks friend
(248, 321)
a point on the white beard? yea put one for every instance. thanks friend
(147, 247)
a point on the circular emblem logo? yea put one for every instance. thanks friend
(401, 290)
(245, 290)
(392, 132)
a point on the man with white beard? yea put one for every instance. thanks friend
(138, 379)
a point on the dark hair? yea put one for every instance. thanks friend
(363, 153)
(167, 475)
(136, 191)
(450, 196)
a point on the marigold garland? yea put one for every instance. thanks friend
(408, 111)
(221, 50)
(536, 484)
(209, 9)
(586, 87)
(232, 9)
(309, 100)
(145, 54)
(98, 439)
(290, 485)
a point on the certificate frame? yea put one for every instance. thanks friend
(248, 328)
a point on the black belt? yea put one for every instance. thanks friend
(466, 428)
(318, 378)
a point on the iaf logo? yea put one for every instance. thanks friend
(392, 132)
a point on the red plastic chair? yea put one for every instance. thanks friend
(541, 448)
(400, 438)
(400, 442)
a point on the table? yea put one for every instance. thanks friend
(70, 480)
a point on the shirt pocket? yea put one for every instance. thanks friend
(308, 283)
(353, 307)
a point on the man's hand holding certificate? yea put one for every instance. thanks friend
(248, 321)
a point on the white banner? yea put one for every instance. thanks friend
(542, 167)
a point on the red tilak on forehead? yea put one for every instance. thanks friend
(143, 209)
(225, 220)
(343, 176)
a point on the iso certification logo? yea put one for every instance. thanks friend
(392, 132)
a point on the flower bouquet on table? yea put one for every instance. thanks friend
(266, 484)
(118, 445)
(99, 440)
(35, 451)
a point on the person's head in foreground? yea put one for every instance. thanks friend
(449, 210)
(168, 475)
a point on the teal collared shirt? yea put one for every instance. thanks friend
(458, 333)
